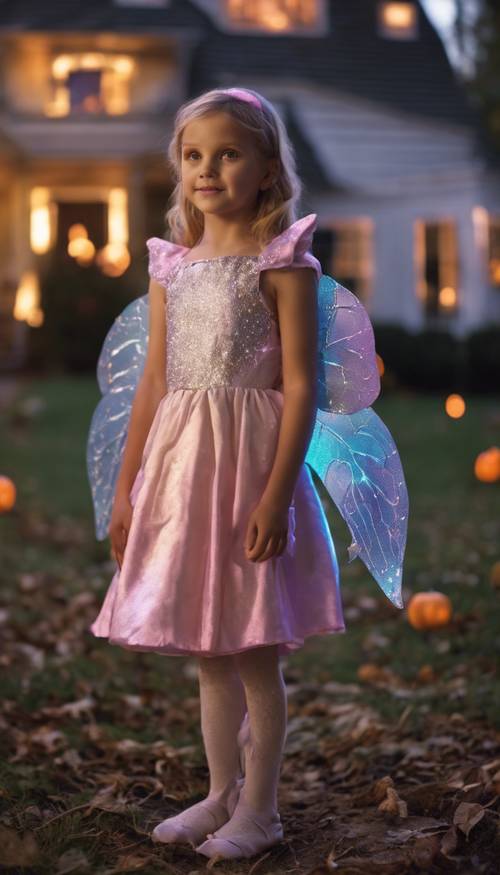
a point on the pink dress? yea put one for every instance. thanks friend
(186, 585)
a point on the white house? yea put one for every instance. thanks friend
(393, 158)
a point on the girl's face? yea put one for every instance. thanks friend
(218, 154)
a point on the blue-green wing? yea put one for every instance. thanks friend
(356, 458)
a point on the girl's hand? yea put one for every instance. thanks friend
(119, 526)
(267, 531)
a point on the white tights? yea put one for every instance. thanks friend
(229, 685)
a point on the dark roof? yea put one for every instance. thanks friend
(97, 15)
(309, 169)
(414, 76)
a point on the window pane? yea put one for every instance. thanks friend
(85, 90)
(437, 263)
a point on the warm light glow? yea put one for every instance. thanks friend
(123, 65)
(118, 216)
(61, 66)
(454, 406)
(82, 249)
(60, 104)
(27, 302)
(113, 259)
(447, 297)
(277, 15)
(380, 364)
(40, 235)
(399, 16)
(92, 61)
(77, 230)
(480, 223)
(495, 271)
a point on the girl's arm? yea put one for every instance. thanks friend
(150, 390)
(295, 291)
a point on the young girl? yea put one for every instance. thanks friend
(251, 367)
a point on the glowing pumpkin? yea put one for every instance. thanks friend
(429, 610)
(7, 494)
(495, 575)
(487, 465)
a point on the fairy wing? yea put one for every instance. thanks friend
(357, 460)
(351, 449)
(348, 377)
(119, 369)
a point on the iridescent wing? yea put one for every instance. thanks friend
(119, 370)
(348, 377)
(356, 458)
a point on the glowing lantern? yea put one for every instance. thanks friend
(429, 610)
(7, 494)
(454, 406)
(487, 465)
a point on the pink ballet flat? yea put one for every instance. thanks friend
(181, 829)
(247, 833)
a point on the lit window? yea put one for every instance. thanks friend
(273, 15)
(397, 20)
(90, 82)
(436, 261)
(494, 250)
(345, 250)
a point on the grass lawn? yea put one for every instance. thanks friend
(97, 742)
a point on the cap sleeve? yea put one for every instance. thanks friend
(291, 247)
(163, 257)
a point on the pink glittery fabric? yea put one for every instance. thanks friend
(186, 585)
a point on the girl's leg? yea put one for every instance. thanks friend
(255, 824)
(223, 706)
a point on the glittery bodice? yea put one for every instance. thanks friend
(220, 329)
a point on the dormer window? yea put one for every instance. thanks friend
(90, 83)
(274, 16)
(397, 20)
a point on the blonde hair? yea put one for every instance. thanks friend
(276, 206)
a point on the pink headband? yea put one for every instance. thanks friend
(242, 94)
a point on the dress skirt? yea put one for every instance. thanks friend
(186, 585)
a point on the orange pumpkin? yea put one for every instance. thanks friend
(7, 494)
(487, 465)
(495, 575)
(429, 610)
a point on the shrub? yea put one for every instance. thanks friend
(79, 305)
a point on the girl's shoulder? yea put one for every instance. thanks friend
(163, 257)
(291, 247)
